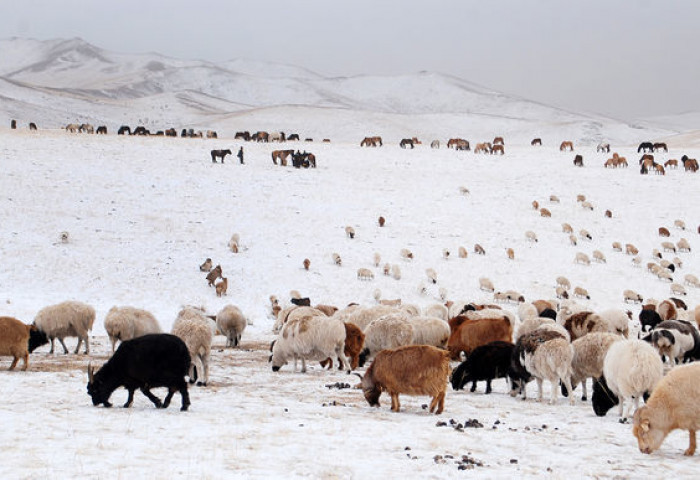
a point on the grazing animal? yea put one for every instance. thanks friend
(431, 274)
(582, 258)
(213, 275)
(307, 264)
(197, 331)
(221, 287)
(528, 343)
(154, 360)
(631, 249)
(566, 228)
(231, 322)
(13, 124)
(411, 370)
(473, 329)
(589, 355)
(19, 340)
(301, 301)
(631, 296)
(566, 145)
(66, 319)
(219, 154)
(545, 213)
(364, 274)
(125, 323)
(406, 254)
(462, 252)
(479, 250)
(396, 272)
(354, 343)
(381, 221)
(673, 404)
(206, 266)
(497, 149)
(309, 337)
(578, 161)
(350, 232)
(406, 142)
(645, 147)
(603, 147)
(663, 232)
(485, 363)
(660, 146)
(510, 253)
(536, 141)
(531, 236)
(486, 285)
(32, 126)
(631, 369)
(337, 260)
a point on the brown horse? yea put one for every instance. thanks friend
(260, 137)
(671, 163)
(406, 141)
(536, 141)
(659, 169)
(566, 144)
(497, 149)
(660, 146)
(282, 156)
(498, 141)
(482, 148)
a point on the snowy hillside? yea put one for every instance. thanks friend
(56, 82)
(143, 213)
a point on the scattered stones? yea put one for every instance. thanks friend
(338, 385)
(471, 423)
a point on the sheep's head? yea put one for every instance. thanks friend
(649, 438)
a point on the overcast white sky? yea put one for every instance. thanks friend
(626, 59)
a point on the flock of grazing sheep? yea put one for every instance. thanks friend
(420, 351)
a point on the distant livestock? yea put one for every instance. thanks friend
(411, 370)
(566, 145)
(150, 361)
(231, 322)
(125, 323)
(578, 161)
(219, 154)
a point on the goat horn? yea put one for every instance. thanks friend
(355, 373)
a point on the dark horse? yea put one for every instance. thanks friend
(220, 154)
(124, 129)
(578, 161)
(32, 126)
(305, 160)
(660, 146)
(645, 147)
(406, 141)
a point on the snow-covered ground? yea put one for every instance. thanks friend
(143, 213)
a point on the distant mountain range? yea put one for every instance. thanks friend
(62, 81)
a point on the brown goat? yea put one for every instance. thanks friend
(18, 339)
(221, 287)
(354, 343)
(381, 222)
(307, 263)
(471, 330)
(412, 370)
(213, 275)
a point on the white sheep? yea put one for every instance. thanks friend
(691, 280)
(582, 258)
(587, 205)
(599, 256)
(231, 322)
(350, 232)
(526, 311)
(531, 236)
(430, 331)
(462, 252)
(410, 310)
(566, 228)
(583, 233)
(446, 253)
(437, 310)
(561, 292)
(406, 254)
(683, 245)
(197, 332)
(531, 324)
(573, 240)
(673, 404)
(617, 321)
(668, 247)
(486, 285)
(125, 323)
(678, 289)
(364, 274)
(309, 338)
(66, 319)
(564, 283)
(589, 355)
(553, 199)
(234, 243)
(431, 274)
(442, 293)
(581, 292)
(631, 296)
(386, 269)
(388, 331)
(396, 272)
(679, 224)
(550, 361)
(631, 369)
(363, 316)
(337, 260)
(377, 259)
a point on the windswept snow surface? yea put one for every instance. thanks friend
(143, 213)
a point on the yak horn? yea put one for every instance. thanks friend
(90, 372)
(355, 373)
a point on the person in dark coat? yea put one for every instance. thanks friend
(240, 155)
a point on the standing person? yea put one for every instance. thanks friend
(240, 155)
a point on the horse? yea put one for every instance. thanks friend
(87, 128)
(645, 147)
(171, 132)
(416, 141)
(212, 134)
(406, 141)
(659, 169)
(566, 144)
(671, 163)
(689, 164)
(72, 128)
(660, 146)
(101, 130)
(260, 137)
(124, 129)
(498, 141)
(645, 157)
(536, 141)
(603, 147)
(242, 136)
(497, 149)
(32, 126)
(277, 137)
(293, 137)
(457, 142)
(220, 154)
(435, 144)
(578, 161)
(482, 148)
(282, 156)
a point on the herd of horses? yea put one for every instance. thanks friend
(299, 159)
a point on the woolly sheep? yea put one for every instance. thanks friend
(631, 368)
(566, 228)
(550, 361)
(582, 258)
(631, 249)
(364, 274)
(337, 260)
(545, 212)
(309, 338)
(580, 198)
(553, 199)
(683, 245)
(564, 283)
(692, 280)
(631, 296)
(431, 274)
(197, 333)
(231, 322)
(125, 323)
(583, 233)
(680, 224)
(526, 311)
(430, 331)
(532, 323)
(599, 256)
(363, 316)
(66, 319)
(678, 289)
(581, 292)
(531, 236)
(486, 285)
(589, 355)
(586, 205)
(617, 246)
(406, 254)
(437, 310)
(617, 321)
(377, 259)
(573, 240)
(668, 247)
(673, 404)
(389, 331)
(446, 253)
(462, 252)
(350, 232)
(396, 272)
